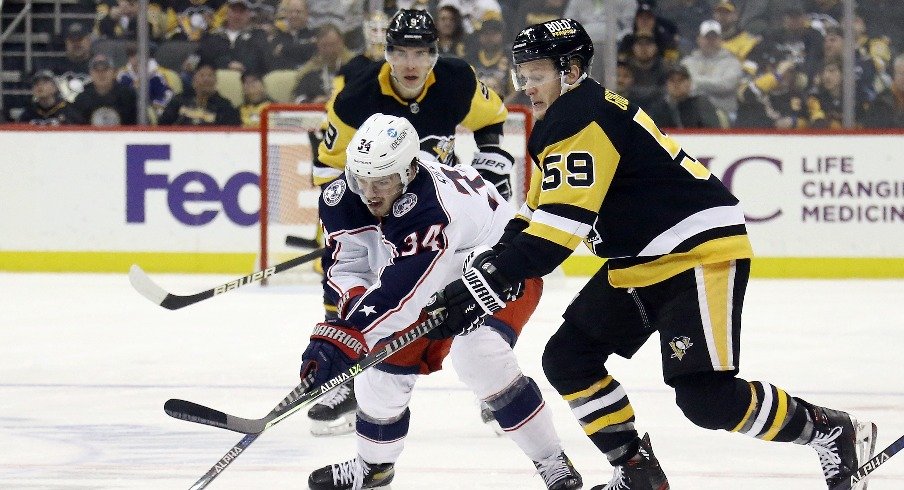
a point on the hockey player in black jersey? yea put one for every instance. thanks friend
(678, 262)
(436, 95)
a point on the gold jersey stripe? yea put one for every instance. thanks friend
(716, 250)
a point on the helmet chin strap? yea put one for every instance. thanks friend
(566, 86)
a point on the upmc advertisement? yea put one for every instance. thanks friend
(105, 196)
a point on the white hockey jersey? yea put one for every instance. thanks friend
(405, 257)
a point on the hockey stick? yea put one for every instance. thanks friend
(297, 399)
(150, 290)
(246, 441)
(870, 466)
(301, 242)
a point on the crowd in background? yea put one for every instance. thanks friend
(688, 63)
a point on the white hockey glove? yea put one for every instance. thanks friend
(495, 166)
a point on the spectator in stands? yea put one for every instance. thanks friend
(649, 69)
(159, 91)
(236, 45)
(825, 101)
(190, 20)
(867, 83)
(795, 38)
(255, 99)
(374, 53)
(877, 50)
(592, 15)
(687, 110)
(755, 16)
(739, 42)
(530, 12)
(885, 18)
(346, 15)
(687, 16)
(491, 57)
(825, 13)
(121, 21)
(624, 79)
(646, 22)
(105, 102)
(450, 29)
(315, 78)
(72, 70)
(473, 12)
(47, 108)
(715, 71)
(202, 106)
(887, 111)
(775, 99)
(295, 42)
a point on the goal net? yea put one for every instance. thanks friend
(289, 222)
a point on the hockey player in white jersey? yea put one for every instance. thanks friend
(397, 228)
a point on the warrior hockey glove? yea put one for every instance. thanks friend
(495, 166)
(335, 346)
(463, 304)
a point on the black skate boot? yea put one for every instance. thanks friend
(559, 473)
(842, 442)
(335, 413)
(641, 474)
(343, 476)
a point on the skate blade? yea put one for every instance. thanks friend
(865, 433)
(338, 427)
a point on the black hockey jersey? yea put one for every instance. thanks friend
(607, 176)
(452, 95)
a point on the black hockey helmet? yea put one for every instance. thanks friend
(412, 27)
(560, 40)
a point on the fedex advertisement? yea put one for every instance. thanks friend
(197, 192)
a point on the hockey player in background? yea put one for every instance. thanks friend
(398, 228)
(678, 262)
(435, 95)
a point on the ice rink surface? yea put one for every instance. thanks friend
(86, 365)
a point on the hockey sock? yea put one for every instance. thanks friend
(607, 417)
(381, 441)
(522, 414)
(754, 408)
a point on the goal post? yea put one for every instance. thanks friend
(288, 139)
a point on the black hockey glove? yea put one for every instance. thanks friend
(495, 166)
(463, 304)
(335, 346)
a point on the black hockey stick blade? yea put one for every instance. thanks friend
(157, 295)
(301, 242)
(192, 412)
(870, 466)
(300, 397)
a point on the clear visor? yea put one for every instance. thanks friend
(525, 78)
(375, 186)
(417, 57)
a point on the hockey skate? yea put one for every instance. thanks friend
(842, 442)
(641, 474)
(335, 413)
(558, 473)
(352, 474)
